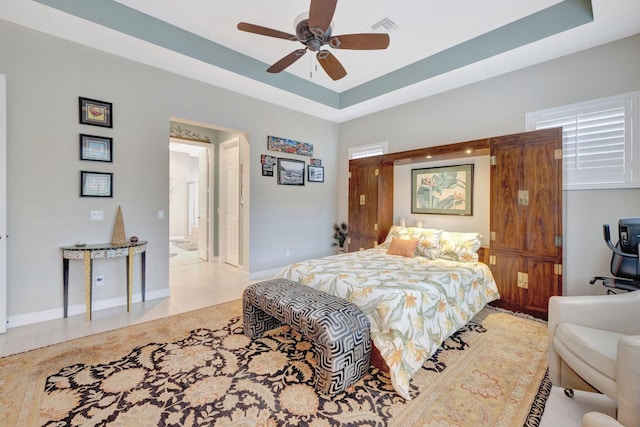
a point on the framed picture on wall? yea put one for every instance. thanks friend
(96, 113)
(315, 173)
(95, 148)
(268, 163)
(290, 171)
(290, 146)
(96, 184)
(442, 190)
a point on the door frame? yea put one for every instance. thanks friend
(3, 203)
(205, 233)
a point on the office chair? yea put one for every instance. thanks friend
(625, 263)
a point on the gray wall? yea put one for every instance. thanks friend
(45, 77)
(497, 106)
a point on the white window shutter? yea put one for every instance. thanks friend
(597, 141)
(368, 150)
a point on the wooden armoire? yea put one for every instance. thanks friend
(525, 251)
(526, 219)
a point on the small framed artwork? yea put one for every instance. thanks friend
(96, 148)
(290, 172)
(96, 113)
(96, 184)
(315, 173)
(442, 190)
(268, 162)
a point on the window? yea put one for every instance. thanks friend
(368, 150)
(598, 141)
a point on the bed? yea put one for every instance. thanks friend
(416, 289)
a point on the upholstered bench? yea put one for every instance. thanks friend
(337, 328)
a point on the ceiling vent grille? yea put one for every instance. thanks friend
(386, 23)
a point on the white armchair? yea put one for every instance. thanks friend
(595, 346)
(596, 419)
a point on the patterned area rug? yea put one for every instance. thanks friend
(198, 369)
(185, 245)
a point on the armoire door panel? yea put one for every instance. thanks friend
(370, 204)
(385, 200)
(505, 272)
(363, 198)
(543, 284)
(544, 194)
(507, 223)
(357, 243)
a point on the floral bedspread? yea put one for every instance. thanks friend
(413, 304)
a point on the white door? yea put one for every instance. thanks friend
(232, 203)
(3, 203)
(203, 205)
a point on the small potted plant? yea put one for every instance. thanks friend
(340, 236)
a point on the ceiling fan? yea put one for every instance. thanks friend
(314, 33)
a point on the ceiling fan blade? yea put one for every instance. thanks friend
(331, 65)
(366, 41)
(286, 61)
(264, 31)
(320, 15)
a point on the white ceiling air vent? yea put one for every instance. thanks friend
(386, 23)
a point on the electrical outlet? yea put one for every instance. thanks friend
(97, 215)
(99, 280)
(287, 252)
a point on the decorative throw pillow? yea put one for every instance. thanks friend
(428, 239)
(429, 242)
(406, 248)
(396, 231)
(460, 246)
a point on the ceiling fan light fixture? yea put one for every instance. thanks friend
(298, 19)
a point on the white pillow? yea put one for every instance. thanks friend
(429, 242)
(428, 239)
(460, 246)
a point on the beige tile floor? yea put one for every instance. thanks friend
(195, 284)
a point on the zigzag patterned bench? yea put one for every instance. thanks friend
(337, 328)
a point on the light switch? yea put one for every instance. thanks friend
(97, 215)
(160, 214)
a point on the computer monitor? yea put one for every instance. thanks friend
(629, 235)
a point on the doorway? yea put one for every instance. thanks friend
(215, 213)
(189, 202)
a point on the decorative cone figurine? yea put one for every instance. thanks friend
(118, 237)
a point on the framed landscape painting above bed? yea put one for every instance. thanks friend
(441, 190)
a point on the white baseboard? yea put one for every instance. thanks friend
(58, 313)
